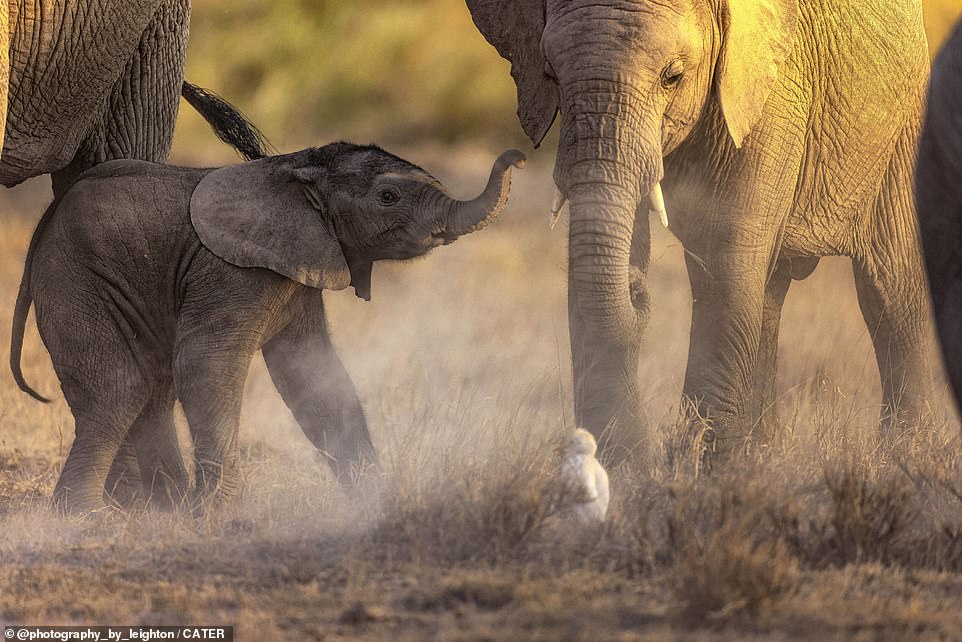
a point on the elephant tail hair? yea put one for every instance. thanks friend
(24, 300)
(230, 126)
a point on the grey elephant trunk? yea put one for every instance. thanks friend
(464, 217)
(608, 307)
(608, 247)
(609, 291)
(610, 168)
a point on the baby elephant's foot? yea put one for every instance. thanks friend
(67, 503)
(167, 493)
(77, 497)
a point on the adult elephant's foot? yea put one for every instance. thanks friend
(902, 422)
(702, 444)
(167, 493)
(622, 438)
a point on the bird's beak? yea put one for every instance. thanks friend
(559, 449)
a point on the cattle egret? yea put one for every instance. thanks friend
(585, 480)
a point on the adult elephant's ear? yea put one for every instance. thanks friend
(266, 214)
(757, 37)
(515, 28)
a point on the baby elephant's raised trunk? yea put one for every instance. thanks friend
(464, 217)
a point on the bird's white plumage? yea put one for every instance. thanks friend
(585, 480)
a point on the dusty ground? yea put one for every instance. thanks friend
(462, 365)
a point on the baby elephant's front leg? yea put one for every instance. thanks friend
(317, 388)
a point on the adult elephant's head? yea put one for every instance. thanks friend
(631, 80)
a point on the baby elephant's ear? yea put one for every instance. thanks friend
(260, 214)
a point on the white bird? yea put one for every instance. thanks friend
(585, 480)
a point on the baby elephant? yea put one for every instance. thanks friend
(154, 283)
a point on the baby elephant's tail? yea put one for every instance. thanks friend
(24, 299)
(227, 122)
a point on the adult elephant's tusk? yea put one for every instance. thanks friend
(556, 206)
(657, 198)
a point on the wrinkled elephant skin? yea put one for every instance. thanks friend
(89, 81)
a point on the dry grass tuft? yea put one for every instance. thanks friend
(868, 514)
(730, 571)
(478, 517)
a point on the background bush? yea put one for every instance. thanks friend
(396, 71)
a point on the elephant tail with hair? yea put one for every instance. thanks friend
(24, 300)
(230, 126)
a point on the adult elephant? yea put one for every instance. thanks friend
(89, 81)
(939, 198)
(781, 130)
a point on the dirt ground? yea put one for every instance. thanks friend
(462, 365)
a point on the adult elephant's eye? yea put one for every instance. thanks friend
(672, 74)
(387, 197)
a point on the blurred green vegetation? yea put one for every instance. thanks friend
(395, 71)
(399, 72)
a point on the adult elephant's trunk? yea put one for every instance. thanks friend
(602, 278)
(464, 217)
(610, 170)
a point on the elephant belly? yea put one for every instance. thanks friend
(65, 58)
(26, 155)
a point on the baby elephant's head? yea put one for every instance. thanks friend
(323, 216)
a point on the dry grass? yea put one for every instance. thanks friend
(461, 363)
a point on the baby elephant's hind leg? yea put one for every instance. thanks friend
(102, 421)
(123, 482)
(161, 462)
(210, 388)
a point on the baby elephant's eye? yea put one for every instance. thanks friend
(387, 197)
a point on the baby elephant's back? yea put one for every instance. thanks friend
(122, 210)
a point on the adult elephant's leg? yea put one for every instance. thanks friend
(764, 397)
(607, 396)
(142, 107)
(896, 317)
(893, 296)
(764, 415)
(728, 303)
(161, 462)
